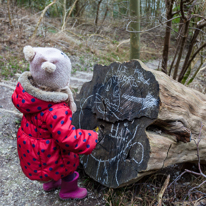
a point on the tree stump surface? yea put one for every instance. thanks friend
(144, 118)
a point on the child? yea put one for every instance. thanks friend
(47, 142)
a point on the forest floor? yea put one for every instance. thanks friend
(85, 48)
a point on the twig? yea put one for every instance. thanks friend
(6, 85)
(161, 193)
(41, 17)
(65, 19)
(9, 82)
(12, 112)
(202, 69)
(123, 42)
(73, 5)
(152, 27)
(77, 35)
(99, 36)
(25, 17)
(8, 6)
(192, 172)
(182, 10)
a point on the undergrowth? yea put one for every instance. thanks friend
(145, 191)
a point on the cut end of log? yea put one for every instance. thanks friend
(122, 100)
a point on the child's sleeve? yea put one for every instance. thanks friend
(66, 135)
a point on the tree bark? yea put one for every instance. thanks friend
(186, 21)
(169, 6)
(135, 26)
(175, 56)
(9, 14)
(146, 121)
(41, 17)
(186, 26)
(97, 14)
(66, 17)
(191, 45)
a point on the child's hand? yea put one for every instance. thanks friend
(97, 130)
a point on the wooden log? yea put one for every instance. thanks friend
(147, 121)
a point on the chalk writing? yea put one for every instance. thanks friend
(118, 102)
(120, 96)
(126, 138)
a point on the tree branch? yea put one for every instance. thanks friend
(191, 59)
(41, 17)
(192, 172)
(12, 112)
(182, 10)
(152, 27)
(6, 85)
(161, 193)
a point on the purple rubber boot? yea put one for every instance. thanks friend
(52, 185)
(70, 190)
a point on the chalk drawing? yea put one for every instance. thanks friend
(81, 109)
(116, 173)
(117, 135)
(118, 157)
(97, 169)
(139, 143)
(148, 102)
(118, 87)
(107, 101)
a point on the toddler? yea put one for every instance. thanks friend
(48, 144)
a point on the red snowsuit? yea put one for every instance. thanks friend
(47, 142)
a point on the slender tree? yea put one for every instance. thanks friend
(135, 26)
(97, 14)
(169, 6)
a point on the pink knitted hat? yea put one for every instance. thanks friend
(50, 68)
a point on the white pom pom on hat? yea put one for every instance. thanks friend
(49, 67)
(29, 53)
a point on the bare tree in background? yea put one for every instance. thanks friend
(192, 23)
(9, 14)
(41, 17)
(67, 13)
(97, 14)
(186, 20)
(169, 14)
(198, 29)
(135, 26)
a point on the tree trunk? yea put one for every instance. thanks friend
(76, 10)
(185, 34)
(41, 17)
(175, 56)
(9, 14)
(191, 45)
(97, 13)
(186, 20)
(144, 118)
(169, 5)
(135, 26)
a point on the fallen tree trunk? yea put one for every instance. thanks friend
(147, 121)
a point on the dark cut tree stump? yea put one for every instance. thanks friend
(146, 121)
